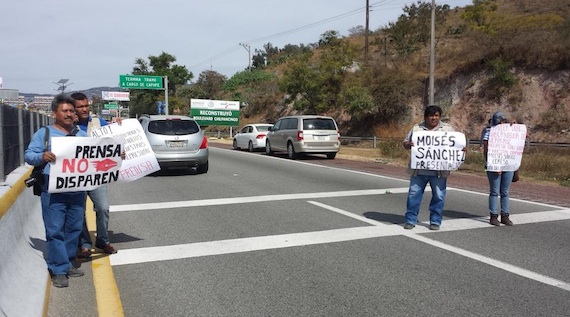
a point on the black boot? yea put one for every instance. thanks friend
(505, 220)
(494, 220)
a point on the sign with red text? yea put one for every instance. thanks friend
(505, 147)
(116, 95)
(437, 150)
(84, 163)
(139, 158)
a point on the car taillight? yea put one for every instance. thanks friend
(338, 135)
(260, 136)
(204, 144)
(300, 136)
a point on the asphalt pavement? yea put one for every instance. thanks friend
(266, 236)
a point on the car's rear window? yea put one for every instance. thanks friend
(262, 128)
(318, 124)
(173, 127)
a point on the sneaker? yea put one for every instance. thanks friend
(107, 248)
(409, 226)
(60, 280)
(505, 220)
(433, 227)
(75, 272)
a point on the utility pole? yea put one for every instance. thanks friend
(247, 48)
(432, 54)
(366, 30)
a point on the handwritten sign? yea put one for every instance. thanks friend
(437, 150)
(139, 157)
(505, 147)
(84, 163)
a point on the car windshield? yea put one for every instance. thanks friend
(173, 127)
(263, 128)
(318, 124)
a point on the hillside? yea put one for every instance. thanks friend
(515, 59)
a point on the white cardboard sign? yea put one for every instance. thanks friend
(139, 157)
(505, 147)
(437, 150)
(84, 163)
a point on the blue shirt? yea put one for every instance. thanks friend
(34, 152)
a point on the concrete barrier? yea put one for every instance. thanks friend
(24, 278)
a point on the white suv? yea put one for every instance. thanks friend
(304, 134)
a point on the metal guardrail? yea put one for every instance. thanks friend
(17, 126)
(375, 140)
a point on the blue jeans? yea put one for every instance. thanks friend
(100, 198)
(500, 184)
(63, 215)
(416, 192)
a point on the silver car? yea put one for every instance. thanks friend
(177, 141)
(304, 134)
(251, 136)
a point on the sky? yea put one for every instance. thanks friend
(91, 43)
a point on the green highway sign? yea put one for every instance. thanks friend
(140, 82)
(111, 106)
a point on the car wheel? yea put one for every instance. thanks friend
(331, 155)
(250, 146)
(234, 144)
(291, 151)
(202, 168)
(268, 149)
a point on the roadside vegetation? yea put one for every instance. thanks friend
(376, 92)
(542, 164)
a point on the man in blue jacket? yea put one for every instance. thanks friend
(62, 213)
(100, 195)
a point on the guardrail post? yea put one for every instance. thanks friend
(374, 142)
(2, 174)
(21, 134)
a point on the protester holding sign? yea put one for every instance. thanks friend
(62, 212)
(429, 170)
(503, 145)
(100, 195)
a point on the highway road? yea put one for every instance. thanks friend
(267, 236)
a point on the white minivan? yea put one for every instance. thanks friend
(304, 134)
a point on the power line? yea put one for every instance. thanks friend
(379, 4)
(295, 30)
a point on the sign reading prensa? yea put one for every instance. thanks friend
(140, 82)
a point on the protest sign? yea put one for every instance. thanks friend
(84, 163)
(505, 147)
(437, 150)
(139, 157)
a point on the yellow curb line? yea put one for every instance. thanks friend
(106, 290)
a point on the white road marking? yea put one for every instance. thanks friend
(496, 263)
(191, 250)
(254, 199)
(378, 229)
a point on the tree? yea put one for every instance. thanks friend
(144, 101)
(314, 84)
(412, 29)
(479, 15)
(211, 82)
